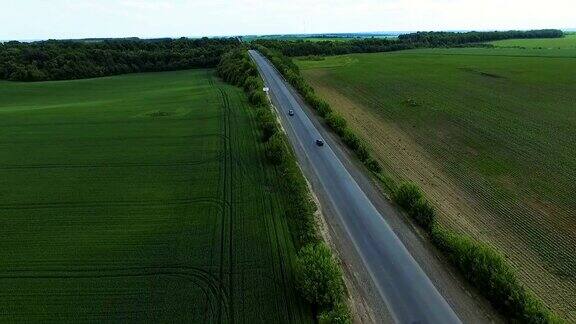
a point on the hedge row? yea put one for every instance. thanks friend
(481, 265)
(299, 47)
(488, 271)
(318, 275)
(336, 122)
(410, 198)
(319, 279)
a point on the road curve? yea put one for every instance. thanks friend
(404, 287)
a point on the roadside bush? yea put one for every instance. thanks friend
(258, 98)
(339, 314)
(481, 265)
(410, 198)
(362, 152)
(252, 83)
(324, 109)
(423, 213)
(374, 166)
(318, 276)
(301, 210)
(407, 195)
(337, 123)
(351, 140)
(487, 270)
(269, 129)
(317, 104)
(267, 123)
(276, 149)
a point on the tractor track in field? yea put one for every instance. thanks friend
(106, 123)
(232, 120)
(108, 165)
(205, 280)
(263, 202)
(273, 232)
(226, 196)
(125, 203)
(113, 138)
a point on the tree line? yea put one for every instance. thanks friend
(68, 59)
(330, 47)
(407, 41)
(451, 39)
(77, 59)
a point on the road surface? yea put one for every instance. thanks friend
(404, 287)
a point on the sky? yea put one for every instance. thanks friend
(65, 19)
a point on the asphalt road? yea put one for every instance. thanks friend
(404, 287)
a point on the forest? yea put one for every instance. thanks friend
(330, 47)
(451, 39)
(79, 59)
(90, 58)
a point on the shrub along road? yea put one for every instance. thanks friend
(408, 293)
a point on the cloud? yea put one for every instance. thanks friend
(40, 19)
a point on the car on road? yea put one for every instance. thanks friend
(319, 142)
(291, 112)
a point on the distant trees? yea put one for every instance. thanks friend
(407, 41)
(63, 60)
(328, 47)
(236, 68)
(451, 39)
(77, 59)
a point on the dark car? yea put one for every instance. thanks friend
(291, 112)
(319, 142)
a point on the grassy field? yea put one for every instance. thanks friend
(567, 42)
(140, 198)
(487, 133)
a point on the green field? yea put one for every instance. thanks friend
(140, 198)
(489, 134)
(567, 42)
